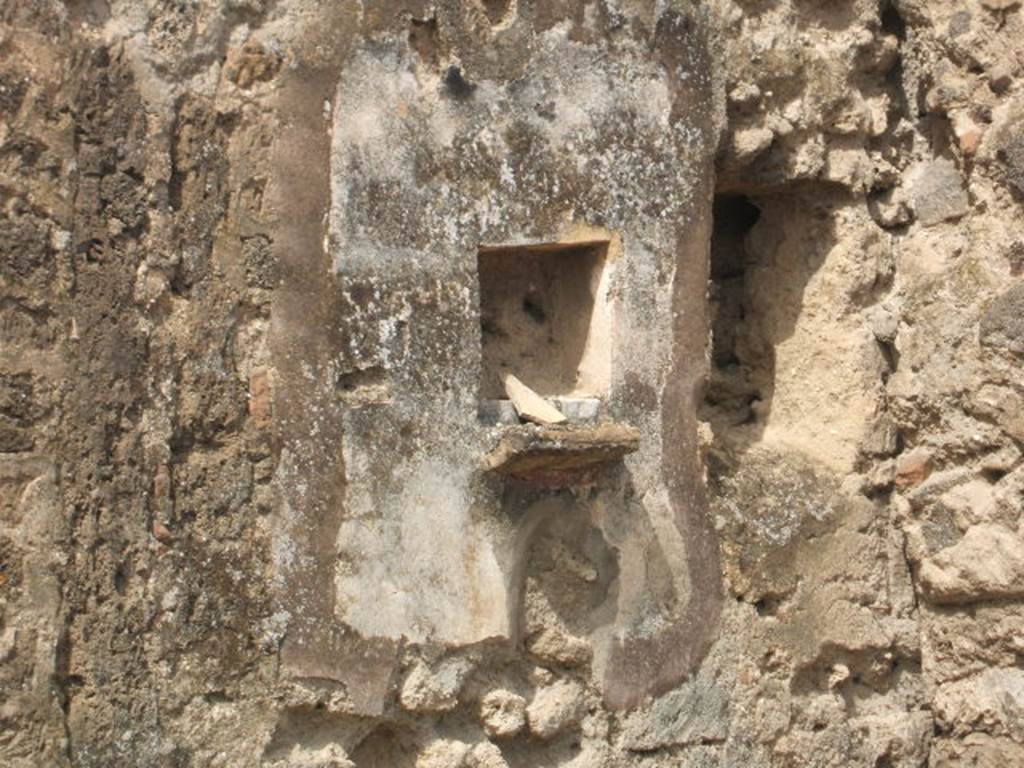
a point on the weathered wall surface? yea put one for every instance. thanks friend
(171, 283)
(437, 149)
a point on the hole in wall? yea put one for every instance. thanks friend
(765, 250)
(769, 605)
(364, 386)
(734, 217)
(545, 317)
(729, 393)
(456, 84)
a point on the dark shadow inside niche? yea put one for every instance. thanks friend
(765, 249)
(729, 393)
(734, 217)
(544, 318)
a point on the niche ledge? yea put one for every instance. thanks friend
(562, 455)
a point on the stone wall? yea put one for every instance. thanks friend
(176, 421)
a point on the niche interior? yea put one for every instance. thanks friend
(545, 317)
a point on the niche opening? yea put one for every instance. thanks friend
(734, 217)
(545, 317)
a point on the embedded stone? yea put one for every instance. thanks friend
(8, 643)
(444, 753)
(749, 143)
(935, 485)
(1003, 405)
(493, 411)
(250, 64)
(1000, 77)
(435, 689)
(695, 713)
(882, 438)
(486, 755)
(1001, 460)
(554, 646)
(936, 191)
(1002, 324)
(913, 467)
(995, 697)
(555, 708)
(745, 95)
(987, 563)
(579, 409)
(502, 713)
(1011, 155)
(260, 398)
(162, 533)
(890, 209)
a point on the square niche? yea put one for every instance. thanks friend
(545, 317)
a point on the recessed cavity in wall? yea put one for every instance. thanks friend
(731, 389)
(364, 386)
(734, 217)
(545, 318)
